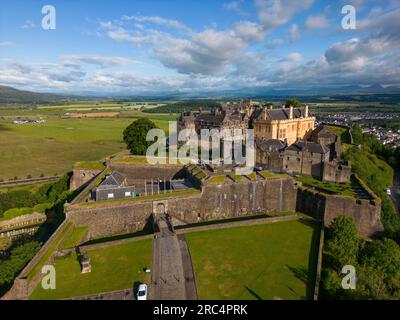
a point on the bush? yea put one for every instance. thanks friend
(342, 241)
(12, 265)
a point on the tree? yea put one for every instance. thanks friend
(342, 243)
(383, 256)
(357, 134)
(293, 102)
(135, 136)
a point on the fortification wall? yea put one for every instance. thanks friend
(135, 172)
(81, 176)
(214, 202)
(365, 213)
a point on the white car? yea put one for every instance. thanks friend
(388, 192)
(142, 292)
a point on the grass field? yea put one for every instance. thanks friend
(268, 261)
(54, 146)
(113, 268)
(74, 238)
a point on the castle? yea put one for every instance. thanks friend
(286, 138)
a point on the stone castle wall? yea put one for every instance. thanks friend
(82, 176)
(214, 202)
(138, 172)
(365, 213)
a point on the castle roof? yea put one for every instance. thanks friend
(270, 145)
(308, 147)
(114, 179)
(283, 113)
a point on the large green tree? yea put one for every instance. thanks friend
(135, 136)
(342, 242)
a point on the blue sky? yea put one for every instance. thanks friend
(187, 45)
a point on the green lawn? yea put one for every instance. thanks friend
(268, 261)
(74, 238)
(345, 189)
(113, 268)
(54, 146)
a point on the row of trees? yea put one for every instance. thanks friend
(376, 262)
(10, 265)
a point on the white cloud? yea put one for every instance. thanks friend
(28, 24)
(102, 61)
(158, 20)
(274, 13)
(295, 57)
(293, 32)
(316, 22)
(7, 43)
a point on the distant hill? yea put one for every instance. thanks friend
(11, 96)
(188, 105)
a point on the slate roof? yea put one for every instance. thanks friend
(270, 145)
(282, 113)
(114, 179)
(309, 146)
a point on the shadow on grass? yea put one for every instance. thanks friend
(148, 229)
(254, 294)
(308, 275)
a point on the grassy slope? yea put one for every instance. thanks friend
(74, 238)
(268, 261)
(113, 268)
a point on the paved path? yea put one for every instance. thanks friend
(126, 294)
(168, 282)
(188, 271)
(26, 181)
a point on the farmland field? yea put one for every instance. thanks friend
(54, 146)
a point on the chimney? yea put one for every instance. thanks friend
(306, 112)
(265, 114)
(290, 112)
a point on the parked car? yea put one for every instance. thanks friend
(142, 292)
(388, 192)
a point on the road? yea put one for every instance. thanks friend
(168, 274)
(24, 181)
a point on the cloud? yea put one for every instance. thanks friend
(249, 31)
(294, 57)
(158, 20)
(28, 24)
(293, 32)
(235, 6)
(274, 13)
(101, 61)
(316, 22)
(7, 43)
